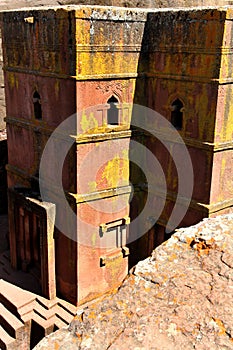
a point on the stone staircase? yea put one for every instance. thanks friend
(26, 318)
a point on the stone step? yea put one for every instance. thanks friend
(64, 315)
(56, 321)
(19, 309)
(18, 301)
(47, 304)
(60, 323)
(67, 306)
(12, 325)
(43, 312)
(6, 341)
(56, 309)
(27, 316)
(47, 325)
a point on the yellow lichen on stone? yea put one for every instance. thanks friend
(98, 50)
(13, 81)
(88, 123)
(92, 186)
(93, 240)
(116, 172)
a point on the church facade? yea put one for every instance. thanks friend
(94, 64)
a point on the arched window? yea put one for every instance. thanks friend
(113, 112)
(37, 105)
(177, 114)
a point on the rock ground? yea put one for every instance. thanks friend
(8, 4)
(179, 298)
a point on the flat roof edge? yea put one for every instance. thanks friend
(125, 9)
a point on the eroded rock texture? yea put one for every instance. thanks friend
(179, 298)
(6, 4)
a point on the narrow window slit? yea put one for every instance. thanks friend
(177, 114)
(37, 105)
(113, 111)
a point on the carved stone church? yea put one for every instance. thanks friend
(96, 61)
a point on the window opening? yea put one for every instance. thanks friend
(177, 114)
(113, 111)
(37, 105)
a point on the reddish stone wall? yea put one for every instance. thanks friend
(2, 92)
(79, 57)
(6, 5)
(181, 63)
(3, 174)
(52, 68)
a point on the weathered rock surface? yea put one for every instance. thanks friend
(7, 4)
(179, 298)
